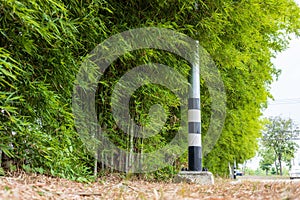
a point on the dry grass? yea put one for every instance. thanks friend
(24, 186)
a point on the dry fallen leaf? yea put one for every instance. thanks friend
(32, 186)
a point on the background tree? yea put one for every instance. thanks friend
(267, 159)
(277, 138)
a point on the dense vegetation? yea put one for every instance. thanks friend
(278, 144)
(43, 43)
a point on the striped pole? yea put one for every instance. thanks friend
(194, 117)
(234, 170)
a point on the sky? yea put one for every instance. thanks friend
(286, 90)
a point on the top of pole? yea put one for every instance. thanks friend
(194, 91)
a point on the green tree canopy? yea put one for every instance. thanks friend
(278, 139)
(267, 158)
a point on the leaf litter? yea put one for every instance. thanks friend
(34, 186)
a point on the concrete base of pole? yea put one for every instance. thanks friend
(197, 177)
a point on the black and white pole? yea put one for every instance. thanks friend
(234, 170)
(194, 117)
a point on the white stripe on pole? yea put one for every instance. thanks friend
(194, 115)
(194, 140)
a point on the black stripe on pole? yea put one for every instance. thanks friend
(234, 172)
(195, 158)
(194, 152)
(194, 103)
(195, 127)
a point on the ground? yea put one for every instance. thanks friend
(32, 186)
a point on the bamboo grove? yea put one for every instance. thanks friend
(43, 44)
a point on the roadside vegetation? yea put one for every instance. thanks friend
(43, 44)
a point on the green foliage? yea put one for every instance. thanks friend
(277, 142)
(273, 171)
(40, 50)
(268, 157)
(42, 44)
